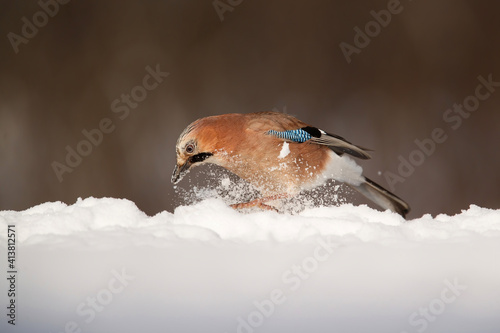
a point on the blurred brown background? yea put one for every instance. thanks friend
(264, 55)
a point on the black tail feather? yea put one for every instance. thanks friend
(382, 197)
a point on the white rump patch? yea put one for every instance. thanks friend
(340, 168)
(344, 169)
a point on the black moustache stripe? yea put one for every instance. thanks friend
(199, 157)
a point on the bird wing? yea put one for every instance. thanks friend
(337, 143)
(291, 129)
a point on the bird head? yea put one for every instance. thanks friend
(192, 150)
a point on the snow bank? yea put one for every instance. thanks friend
(102, 265)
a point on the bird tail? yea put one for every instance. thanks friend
(382, 197)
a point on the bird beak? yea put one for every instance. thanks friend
(180, 171)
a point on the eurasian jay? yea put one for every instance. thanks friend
(278, 154)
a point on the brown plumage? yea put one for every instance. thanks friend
(259, 148)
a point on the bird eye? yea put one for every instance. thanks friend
(189, 149)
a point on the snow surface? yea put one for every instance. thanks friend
(102, 265)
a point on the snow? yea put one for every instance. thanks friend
(102, 265)
(285, 150)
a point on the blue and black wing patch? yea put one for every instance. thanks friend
(314, 135)
(299, 135)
